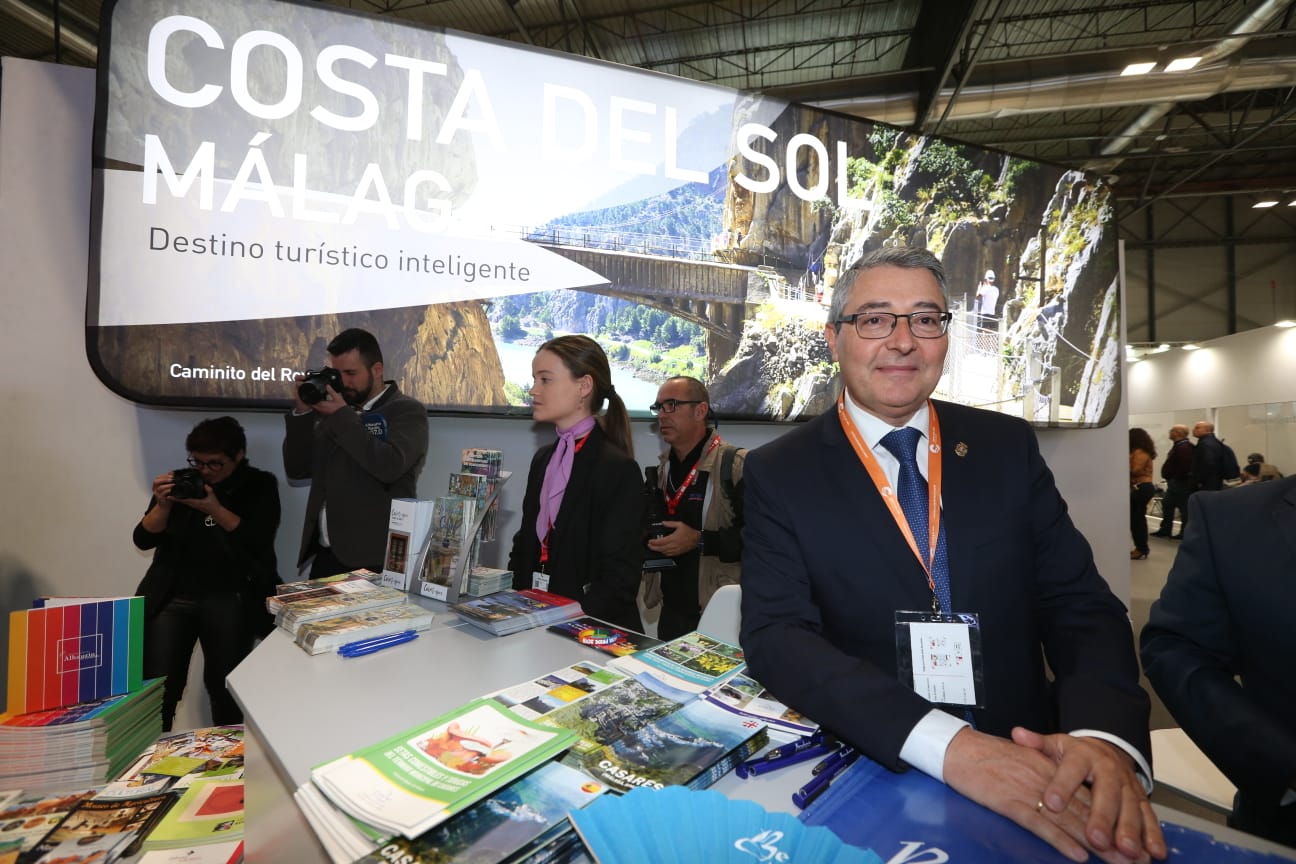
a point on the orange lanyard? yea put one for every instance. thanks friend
(888, 492)
(544, 541)
(673, 502)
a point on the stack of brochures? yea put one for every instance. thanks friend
(693, 662)
(638, 731)
(359, 595)
(510, 611)
(78, 745)
(418, 779)
(487, 580)
(185, 790)
(309, 589)
(325, 634)
(704, 826)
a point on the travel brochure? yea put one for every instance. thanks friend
(603, 636)
(692, 662)
(418, 778)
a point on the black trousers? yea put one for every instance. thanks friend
(216, 622)
(1175, 498)
(1140, 495)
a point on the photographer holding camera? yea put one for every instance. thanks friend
(360, 443)
(212, 527)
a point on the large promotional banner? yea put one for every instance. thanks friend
(270, 173)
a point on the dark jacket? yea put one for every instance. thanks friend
(1218, 646)
(357, 463)
(825, 569)
(596, 547)
(1178, 464)
(1208, 463)
(194, 558)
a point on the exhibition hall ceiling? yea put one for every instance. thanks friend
(1039, 78)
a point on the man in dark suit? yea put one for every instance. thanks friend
(1218, 647)
(832, 581)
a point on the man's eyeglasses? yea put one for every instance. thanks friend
(668, 406)
(879, 325)
(214, 465)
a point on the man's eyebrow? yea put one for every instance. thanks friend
(887, 306)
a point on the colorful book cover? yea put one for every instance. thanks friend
(95, 713)
(540, 696)
(499, 827)
(745, 696)
(481, 460)
(75, 651)
(614, 712)
(292, 616)
(692, 662)
(129, 818)
(693, 746)
(471, 485)
(209, 811)
(25, 820)
(418, 778)
(603, 636)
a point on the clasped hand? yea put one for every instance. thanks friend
(1079, 795)
(680, 540)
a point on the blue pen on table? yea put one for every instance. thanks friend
(763, 764)
(362, 647)
(818, 783)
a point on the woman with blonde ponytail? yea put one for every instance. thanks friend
(582, 513)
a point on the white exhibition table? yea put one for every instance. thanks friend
(302, 710)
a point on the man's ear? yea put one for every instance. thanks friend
(377, 370)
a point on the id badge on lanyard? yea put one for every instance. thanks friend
(939, 656)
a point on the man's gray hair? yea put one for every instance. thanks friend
(908, 257)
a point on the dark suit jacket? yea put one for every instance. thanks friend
(825, 568)
(596, 548)
(1228, 609)
(356, 472)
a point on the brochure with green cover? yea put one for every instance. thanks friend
(209, 811)
(418, 778)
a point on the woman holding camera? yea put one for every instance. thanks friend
(581, 533)
(212, 527)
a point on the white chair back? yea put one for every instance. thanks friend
(722, 617)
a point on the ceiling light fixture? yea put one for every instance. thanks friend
(1182, 64)
(1191, 346)
(1286, 322)
(1138, 69)
(1268, 202)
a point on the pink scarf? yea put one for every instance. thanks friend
(557, 473)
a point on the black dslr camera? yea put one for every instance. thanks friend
(188, 483)
(315, 383)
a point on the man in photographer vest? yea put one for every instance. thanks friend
(700, 478)
(360, 445)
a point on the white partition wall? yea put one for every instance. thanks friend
(76, 459)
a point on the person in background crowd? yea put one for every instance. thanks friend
(581, 534)
(1177, 471)
(1208, 458)
(213, 566)
(986, 303)
(700, 478)
(1218, 648)
(1142, 457)
(359, 448)
(1257, 470)
(895, 518)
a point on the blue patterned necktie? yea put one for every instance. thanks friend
(911, 492)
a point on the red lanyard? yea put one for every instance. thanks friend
(544, 541)
(673, 502)
(888, 492)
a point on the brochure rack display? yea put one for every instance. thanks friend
(450, 548)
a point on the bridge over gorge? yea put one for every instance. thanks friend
(684, 277)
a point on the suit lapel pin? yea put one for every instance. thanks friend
(960, 449)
